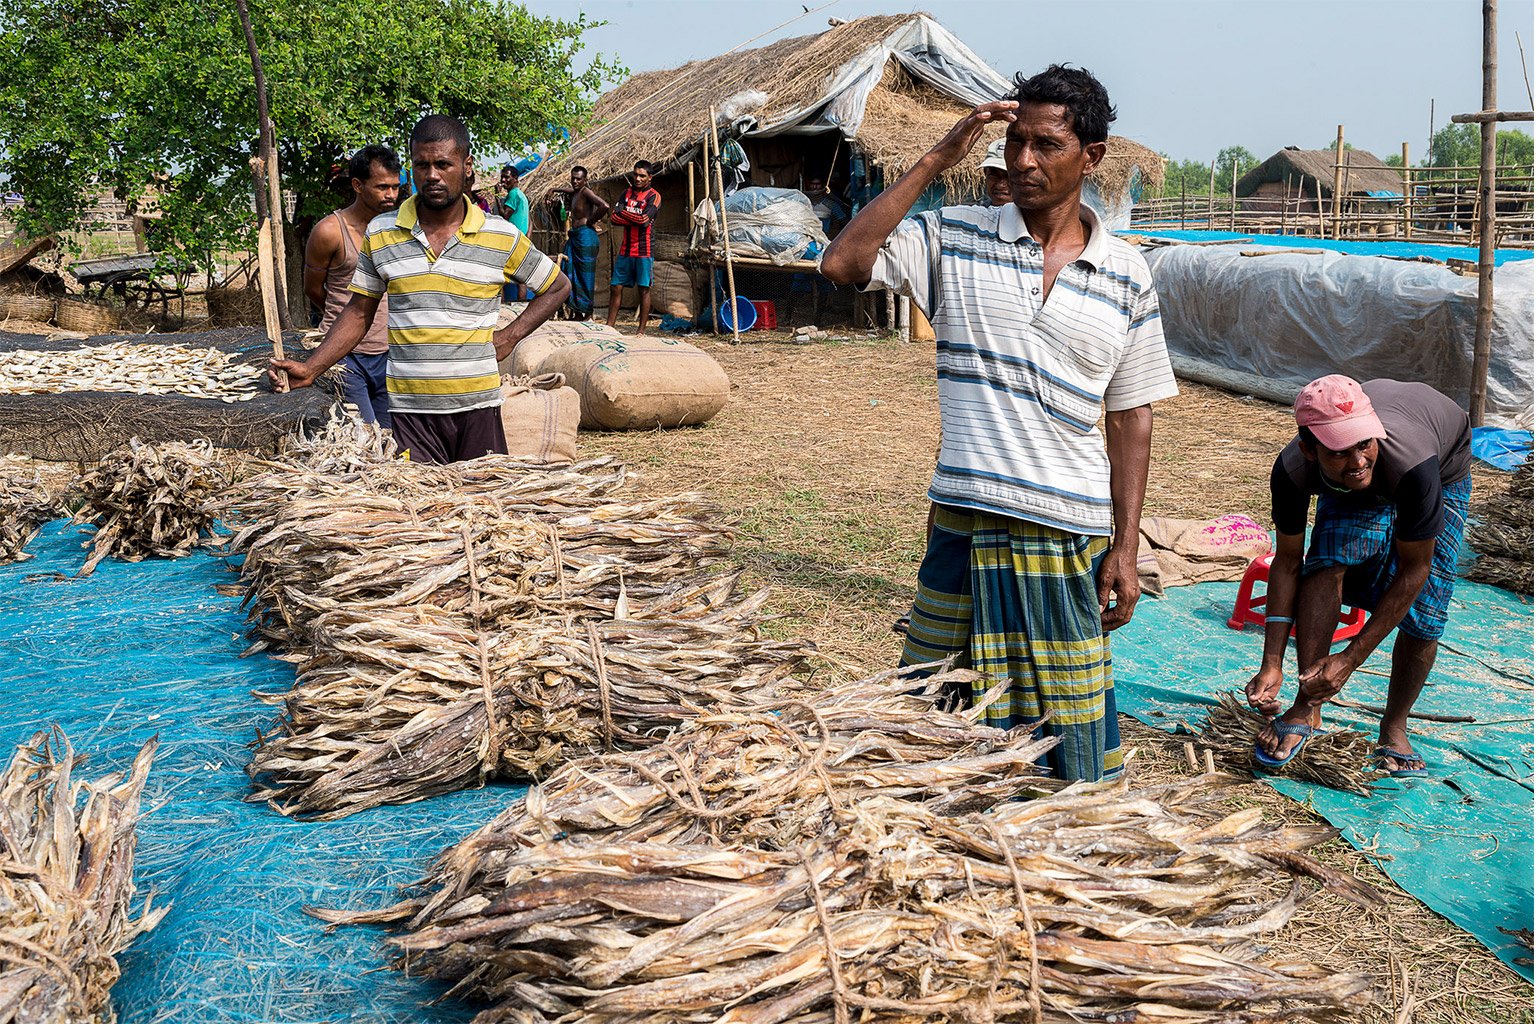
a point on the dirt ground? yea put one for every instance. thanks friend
(824, 455)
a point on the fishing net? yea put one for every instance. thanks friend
(83, 426)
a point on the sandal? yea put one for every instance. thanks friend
(1381, 754)
(1301, 729)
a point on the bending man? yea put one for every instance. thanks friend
(443, 264)
(1044, 319)
(1391, 464)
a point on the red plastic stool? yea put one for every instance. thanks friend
(1251, 609)
(767, 317)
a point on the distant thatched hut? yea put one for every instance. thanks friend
(857, 105)
(1297, 177)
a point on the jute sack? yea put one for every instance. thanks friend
(539, 416)
(641, 383)
(546, 338)
(672, 290)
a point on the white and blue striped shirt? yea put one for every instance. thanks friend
(1022, 381)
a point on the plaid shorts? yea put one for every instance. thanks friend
(1360, 538)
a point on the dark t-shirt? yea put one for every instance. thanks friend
(1428, 445)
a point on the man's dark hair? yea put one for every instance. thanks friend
(1077, 90)
(441, 128)
(509, 167)
(360, 166)
(644, 165)
(580, 168)
(1308, 437)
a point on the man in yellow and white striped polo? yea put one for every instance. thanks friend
(443, 263)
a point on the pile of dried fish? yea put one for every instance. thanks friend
(151, 500)
(25, 506)
(1500, 531)
(66, 884)
(128, 367)
(846, 879)
(1338, 758)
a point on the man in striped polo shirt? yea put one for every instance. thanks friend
(1044, 321)
(443, 263)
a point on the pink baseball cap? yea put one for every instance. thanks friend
(1338, 412)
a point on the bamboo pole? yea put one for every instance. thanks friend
(725, 235)
(1210, 200)
(1182, 197)
(265, 272)
(267, 150)
(714, 301)
(1483, 339)
(1407, 195)
(1232, 220)
(1322, 231)
(1338, 183)
(691, 204)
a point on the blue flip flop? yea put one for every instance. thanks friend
(1301, 729)
(1382, 753)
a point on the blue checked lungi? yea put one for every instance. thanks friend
(581, 267)
(1019, 601)
(1360, 538)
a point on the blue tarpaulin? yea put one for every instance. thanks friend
(1355, 248)
(1459, 840)
(1501, 447)
(150, 648)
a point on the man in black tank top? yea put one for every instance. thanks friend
(1391, 465)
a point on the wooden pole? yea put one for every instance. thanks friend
(1232, 219)
(1210, 200)
(265, 272)
(1338, 181)
(1182, 197)
(714, 301)
(1322, 231)
(266, 150)
(1483, 340)
(725, 235)
(691, 204)
(1407, 195)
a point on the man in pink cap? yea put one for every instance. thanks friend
(1391, 464)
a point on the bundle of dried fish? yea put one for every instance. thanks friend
(1337, 759)
(66, 884)
(128, 367)
(400, 705)
(151, 500)
(1100, 903)
(25, 506)
(1500, 531)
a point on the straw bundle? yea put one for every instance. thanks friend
(843, 879)
(150, 500)
(24, 507)
(1500, 530)
(1336, 759)
(66, 884)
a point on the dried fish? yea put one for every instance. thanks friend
(1337, 758)
(67, 906)
(128, 367)
(1500, 531)
(859, 852)
(150, 500)
(25, 505)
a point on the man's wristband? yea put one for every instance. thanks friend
(1279, 618)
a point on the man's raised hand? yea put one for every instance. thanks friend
(951, 149)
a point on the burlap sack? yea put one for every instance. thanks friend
(1184, 551)
(641, 383)
(673, 290)
(540, 416)
(546, 338)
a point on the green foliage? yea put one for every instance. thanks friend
(119, 94)
(1393, 159)
(1461, 145)
(1238, 155)
(1195, 175)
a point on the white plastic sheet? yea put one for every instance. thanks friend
(1294, 316)
(773, 223)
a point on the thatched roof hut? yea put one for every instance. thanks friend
(1306, 169)
(888, 86)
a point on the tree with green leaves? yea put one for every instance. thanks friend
(1225, 161)
(1461, 145)
(122, 95)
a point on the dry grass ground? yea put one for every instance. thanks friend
(824, 454)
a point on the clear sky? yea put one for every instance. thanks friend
(1188, 76)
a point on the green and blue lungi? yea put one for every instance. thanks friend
(1019, 601)
(581, 268)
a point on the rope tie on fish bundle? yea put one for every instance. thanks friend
(604, 697)
(1028, 920)
(493, 732)
(840, 997)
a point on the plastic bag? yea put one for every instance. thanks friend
(773, 223)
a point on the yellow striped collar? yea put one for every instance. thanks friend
(474, 217)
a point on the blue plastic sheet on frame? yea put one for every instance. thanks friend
(150, 648)
(1407, 250)
(1461, 839)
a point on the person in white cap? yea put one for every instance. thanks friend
(995, 169)
(1391, 465)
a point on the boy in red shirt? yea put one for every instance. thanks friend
(632, 265)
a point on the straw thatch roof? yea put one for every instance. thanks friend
(662, 115)
(1364, 173)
